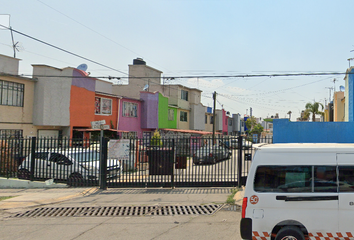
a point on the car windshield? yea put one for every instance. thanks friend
(90, 156)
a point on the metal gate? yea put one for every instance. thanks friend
(222, 161)
(186, 162)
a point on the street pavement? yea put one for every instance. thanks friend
(223, 224)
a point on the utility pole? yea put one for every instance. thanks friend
(214, 98)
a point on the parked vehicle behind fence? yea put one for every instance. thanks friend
(67, 165)
(211, 154)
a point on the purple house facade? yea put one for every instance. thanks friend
(129, 117)
(149, 110)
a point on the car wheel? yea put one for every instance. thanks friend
(75, 179)
(290, 233)
(24, 174)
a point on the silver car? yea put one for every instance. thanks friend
(70, 165)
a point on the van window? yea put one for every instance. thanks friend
(283, 179)
(346, 178)
(325, 179)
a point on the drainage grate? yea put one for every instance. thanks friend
(120, 211)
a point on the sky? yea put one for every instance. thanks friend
(211, 45)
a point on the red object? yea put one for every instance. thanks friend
(244, 206)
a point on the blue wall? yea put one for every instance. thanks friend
(312, 132)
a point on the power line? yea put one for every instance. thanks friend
(63, 50)
(222, 76)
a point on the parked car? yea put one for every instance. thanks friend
(233, 143)
(211, 154)
(69, 165)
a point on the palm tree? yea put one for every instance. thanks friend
(314, 109)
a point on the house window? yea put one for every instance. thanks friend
(183, 116)
(171, 115)
(11, 93)
(184, 95)
(103, 106)
(130, 109)
(129, 135)
(211, 119)
(230, 122)
(206, 119)
(11, 133)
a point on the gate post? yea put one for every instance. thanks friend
(33, 152)
(103, 164)
(239, 160)
(172, 158)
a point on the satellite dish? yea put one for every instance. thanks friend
(146, 87)
(82, 67)
(341, 88)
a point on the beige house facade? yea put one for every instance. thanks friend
(16, 100)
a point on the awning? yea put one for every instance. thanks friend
(97, 130)
(189, 131)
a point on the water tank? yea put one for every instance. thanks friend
(139, 61)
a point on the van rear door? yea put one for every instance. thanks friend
(346, 194)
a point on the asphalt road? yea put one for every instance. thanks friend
(224, 224)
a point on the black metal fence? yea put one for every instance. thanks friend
(165, 162)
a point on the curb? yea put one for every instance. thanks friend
(239, 196)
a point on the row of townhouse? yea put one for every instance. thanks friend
(65, 102)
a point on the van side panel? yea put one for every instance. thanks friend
(268, 209)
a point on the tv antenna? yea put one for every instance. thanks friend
(330, 88)
(334, 84)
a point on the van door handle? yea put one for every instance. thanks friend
(306, 198)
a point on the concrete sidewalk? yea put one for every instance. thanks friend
(22, 198)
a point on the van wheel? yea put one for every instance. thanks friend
(290, 233)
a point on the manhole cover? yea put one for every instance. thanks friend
(119, 211)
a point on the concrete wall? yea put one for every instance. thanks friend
(52, 96)
(103, 86)
(197, 117)
(236, 125)
(9, 65)
(338, 105)
(181, 124)
(208, 126)
(312, 132)
(219, 120)
(139, 76)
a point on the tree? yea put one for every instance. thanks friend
(250, 123)
(258, 129)
(313, 108)
(156, 139)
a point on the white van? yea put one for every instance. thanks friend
(300, 191)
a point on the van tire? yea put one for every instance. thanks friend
(290, 233)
